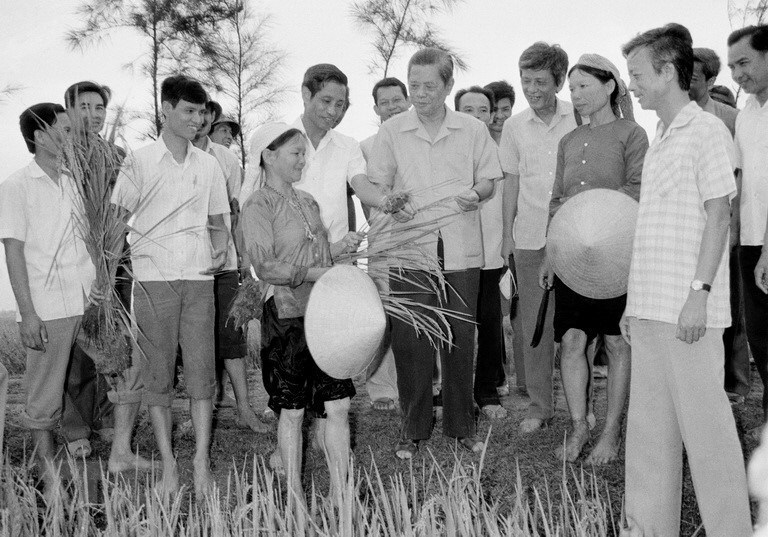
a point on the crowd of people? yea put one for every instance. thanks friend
(677, 339)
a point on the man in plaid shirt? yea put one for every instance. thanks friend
(678, 305)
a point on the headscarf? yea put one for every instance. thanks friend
(254, 174)
(623, 106)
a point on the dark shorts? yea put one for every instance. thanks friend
(590, 315)
(291, 377)
(230, 341)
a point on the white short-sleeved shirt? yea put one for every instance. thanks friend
(44, 215)
(752, 158)
(366, 146)
(326, 173)
(492, 227)
(463, 153)
(233, 174)
(689, 163)
(528, 148)
(170, 204)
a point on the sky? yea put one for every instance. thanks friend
(490, 34)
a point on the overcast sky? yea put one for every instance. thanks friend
(490, 33)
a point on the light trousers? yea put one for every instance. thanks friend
(677, 399)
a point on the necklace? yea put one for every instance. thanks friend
(296, 204)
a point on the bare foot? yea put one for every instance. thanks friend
(247, 418)
(121, 462)
(384, 404)
(276, 463)
(202, 477)
(494, 412)
(606, 450)
(575, 442)
(169, 484)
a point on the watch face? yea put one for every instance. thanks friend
(696, 285)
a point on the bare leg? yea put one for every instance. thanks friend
(337, 443)
(121, 457)
(202, 418)
(289, 443)
(237, 376)
(619, 362)
(45, 450)
(162, 420)
(575, 376)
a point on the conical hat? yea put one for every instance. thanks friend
(344, 322)
(589, 242)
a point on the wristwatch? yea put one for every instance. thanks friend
(698, 285)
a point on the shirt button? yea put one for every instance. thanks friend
(583, 161)
(585, 144)
(550, 173)
(549, 153)
(583, 183)
(550, 192)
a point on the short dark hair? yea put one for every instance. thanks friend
(389, 82)
(38, 117)
(434, 56)
(319, 75)
(710, 62)
(723, 95)
(215, 109)
(758, 37)
(178, 87)
(86, 86)
(668, 44)
(600, 74)
(474, 89)
(502, 90)
(542, 56)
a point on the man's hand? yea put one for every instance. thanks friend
(546, 275)
(98, 295)
(692, 323)
(404, 215)
(468, 200)
(349, 243)
(761, 271)
(33, 332)
(624, 327)
(394, 202)
(218, 260)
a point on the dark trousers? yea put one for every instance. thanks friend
(414, 359)
(489, 368)
(756, 316)
(735, 336)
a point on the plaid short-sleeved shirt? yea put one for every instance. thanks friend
(689, 163)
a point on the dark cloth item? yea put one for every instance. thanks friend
(591, 316)
(414, 359)
(756, 316)
(291, 377)
(86, 406)
(230, 341)
(489, 367)
(735, 336)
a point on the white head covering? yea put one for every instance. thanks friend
(623, 106)
(254, 173)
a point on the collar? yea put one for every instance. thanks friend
(563, 108)
(160, 150)
(683, 117)
(34, 169)
(330, 135)
(753, 103)
(411, 122)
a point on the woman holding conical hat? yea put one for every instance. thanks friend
(606, 153)
(284, 240)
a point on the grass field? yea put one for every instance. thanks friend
(517, 488)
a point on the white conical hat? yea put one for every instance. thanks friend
(344, 322)
(589, 242)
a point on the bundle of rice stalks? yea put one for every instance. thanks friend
(93, 164)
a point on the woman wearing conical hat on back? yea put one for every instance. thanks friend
(606, 153)
(283, 238)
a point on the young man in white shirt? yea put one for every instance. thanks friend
(678, 304)
(176, 197)
(748, 60)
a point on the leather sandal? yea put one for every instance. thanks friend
(79, 448)
(406, 449)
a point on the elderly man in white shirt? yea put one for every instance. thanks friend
(748, 60)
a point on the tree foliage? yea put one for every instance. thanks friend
(168, 26)
(745, 12)
(240, 64)
(397, 24)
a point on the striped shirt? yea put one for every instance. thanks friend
(689, 163)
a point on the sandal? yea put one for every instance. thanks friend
(471, 444)
(406, 449)
(80, 448)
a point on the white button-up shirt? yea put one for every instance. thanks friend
(326, 173)
(689, 163)
(170, 204)
(752, 158)
(528, 148)
(45, 217)
(233, 174)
